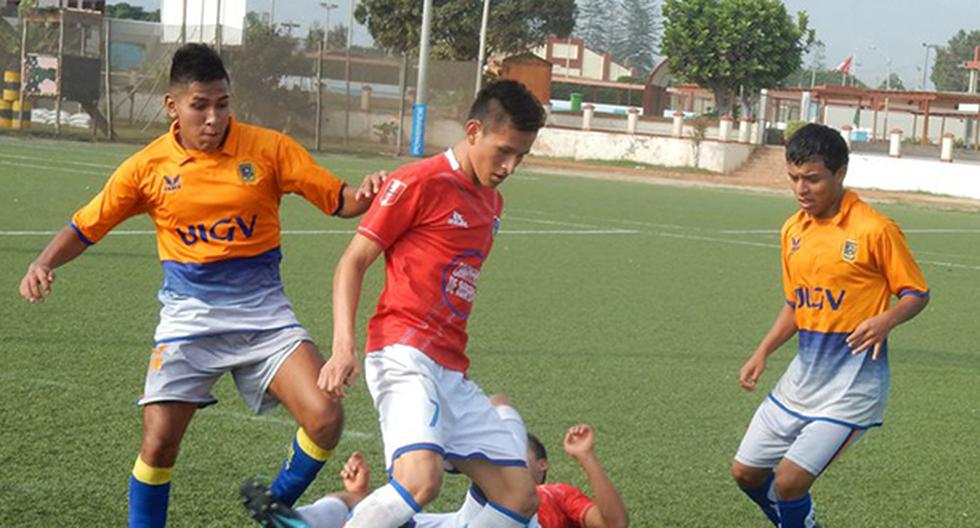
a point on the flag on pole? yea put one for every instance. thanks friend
(845, 65)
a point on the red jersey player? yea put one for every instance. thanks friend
(435, 222)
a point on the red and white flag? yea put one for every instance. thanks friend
(845, 65)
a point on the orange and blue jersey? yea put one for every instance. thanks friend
(217, 224)
(837, 273)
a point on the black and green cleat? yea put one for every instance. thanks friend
(266, 508)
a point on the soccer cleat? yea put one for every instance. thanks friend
(265, 507)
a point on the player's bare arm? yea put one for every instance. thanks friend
(37, 282)
(872, 332)
(610, 512)
(343, 368)
(358, 199)
(783, 328)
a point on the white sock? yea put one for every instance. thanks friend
(472, 506)
(389, 506)
(328, 512)
(496, 516)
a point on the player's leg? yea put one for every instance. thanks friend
(403, 385)
(769, 436)
(819, 444)
(164, 425)
(332, 510)
(319, 416)
(511, 498)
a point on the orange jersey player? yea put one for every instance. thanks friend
(842, 264)
(212, 187)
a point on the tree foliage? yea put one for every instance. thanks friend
(637, 35)
(9, 46)
(336, 37)
(892, 82)
(947, 74)
(723, 45)
(514, 26)
(595, 23)
(131, 12)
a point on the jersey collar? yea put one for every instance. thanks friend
(846, 203)
(182, 155)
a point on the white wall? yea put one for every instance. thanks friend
(919, 175)
(672, 152)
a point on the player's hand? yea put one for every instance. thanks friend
(356, 476)
(871, 333)
(579, 441)
(371, 185)
(340, 371)
(36, 282)
(751, 371)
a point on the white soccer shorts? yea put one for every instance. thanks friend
(775, 433)
(185, 371)
(425, 406)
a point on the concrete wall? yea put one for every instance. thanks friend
(618, 124)
(903, 174)
(714, 156)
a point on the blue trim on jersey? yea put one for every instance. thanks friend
(820, 418)
(217, 334)
(406, 496)
(506, 462)
(917, 293)
(510, 513)
(340, 201)
(791, 304)
(223, 281)
(830, 349)
(81, 236)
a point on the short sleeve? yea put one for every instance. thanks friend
(574, 504)
(120, 199)
(788, 286)
(300, 174)
(393, 211)
(896, 262)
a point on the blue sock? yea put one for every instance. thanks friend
(797, 513)
(300, 468)
(149, 493)
(760, 496)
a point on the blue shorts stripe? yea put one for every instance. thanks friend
(821, 419)
(512, 514)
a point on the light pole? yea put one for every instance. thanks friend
(419, 109)
(319, 75)
(925, 64)
(483, 45)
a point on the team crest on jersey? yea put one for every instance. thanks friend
(794, 245)
(850, 250)
(246, 172)
(171, 184)
(393, 192)
(496, 226)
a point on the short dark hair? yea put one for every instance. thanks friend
(197, 63)
(511, 100)
(815, 142)
(535, 444)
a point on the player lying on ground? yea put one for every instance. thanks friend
(842, 263)
(213, 187)
(562, 505)
(435, 221)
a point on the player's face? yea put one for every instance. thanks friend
(818, 190)
(537, 466)
(495, 152)
(201, 110)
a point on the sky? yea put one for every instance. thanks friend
(875, 31)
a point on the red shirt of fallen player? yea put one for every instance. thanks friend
(445, 225)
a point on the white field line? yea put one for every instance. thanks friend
(936, 231)
(308, 232)
(715, 240)
(550, 222)
(64, 162)
(53, 168)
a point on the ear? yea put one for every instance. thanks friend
(170, 105)
(840, 174)
(543, 464)
(473, 129)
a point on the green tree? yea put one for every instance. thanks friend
(515, 25)
(892, 82)
(336, 38)
(9, 46)
(947, 74)
(637, 32)
(131, 12)
(595, 24)
(723, 45)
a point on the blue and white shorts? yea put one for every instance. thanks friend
(776, 433)
(425, 406)
(185, 371)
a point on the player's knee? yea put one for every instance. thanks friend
(791, 485)
(159, 451)
(324, 422)
(746, 477)
(424, 485)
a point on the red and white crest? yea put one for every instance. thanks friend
(393, 192)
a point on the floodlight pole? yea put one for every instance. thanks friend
(483, 45)
(218, 37)
(350, 40)
(107, 35)
(419, 109)
(183, 23)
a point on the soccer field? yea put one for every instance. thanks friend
(624, 305)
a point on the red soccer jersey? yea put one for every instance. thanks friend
(436, 227)
(562, 506)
